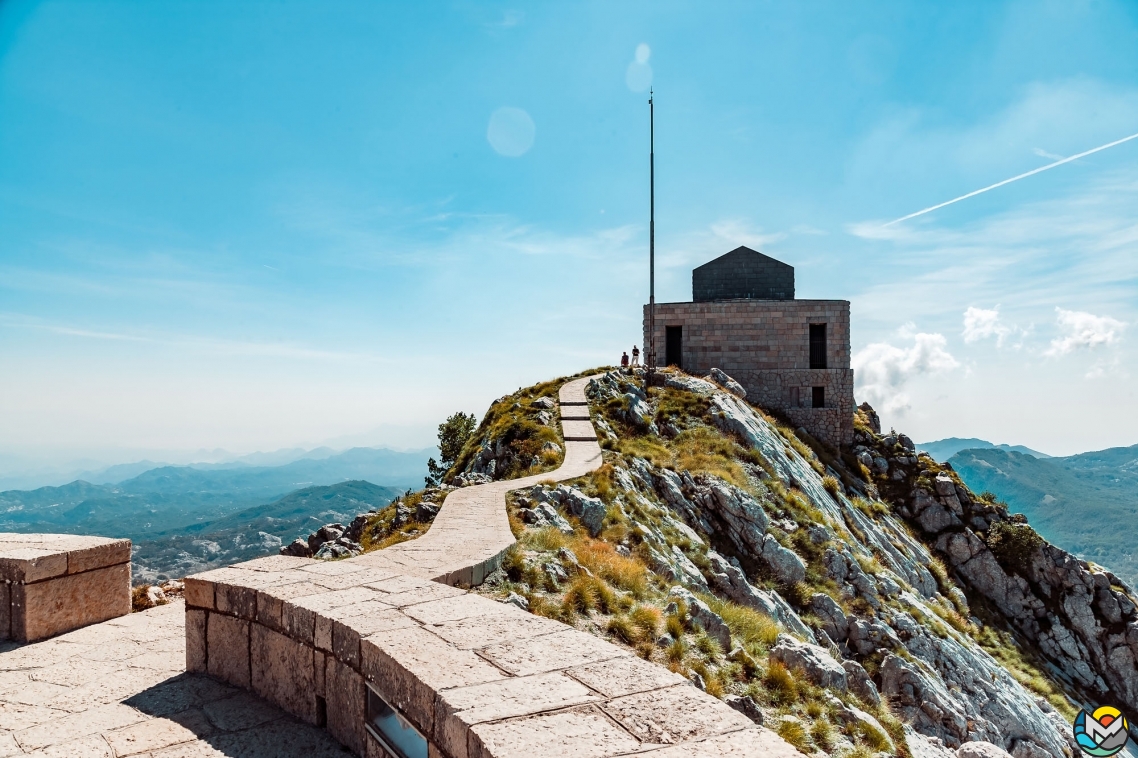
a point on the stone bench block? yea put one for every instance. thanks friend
(227, 656)
(346, 707)
(747, 743)
(479, 631)
(625, 676)
(58, 582)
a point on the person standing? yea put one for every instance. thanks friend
(635, 355)
(624, 360)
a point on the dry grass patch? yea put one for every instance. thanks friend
(756, 631)
(628, 574)
(589, 593)
(795, 733)
(547, 538)
(700, 450)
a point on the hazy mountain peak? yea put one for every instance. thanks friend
(942, 450)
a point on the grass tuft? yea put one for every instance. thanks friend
(793, 732)
(781, 686)
(601, 558)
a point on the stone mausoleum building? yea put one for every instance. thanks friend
(792, 356)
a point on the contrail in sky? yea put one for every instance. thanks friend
(1009, 181)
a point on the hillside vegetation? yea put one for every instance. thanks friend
(859, 602)
(1084, 503)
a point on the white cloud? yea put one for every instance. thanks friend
(981, 324)
(881, 370)
(638, 75)
(1083, 331)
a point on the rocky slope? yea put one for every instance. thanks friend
(857, 601)
(1069, 500)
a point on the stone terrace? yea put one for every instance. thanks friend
(119, 688)
(476, 678)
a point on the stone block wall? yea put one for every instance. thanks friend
(53, 583)
(765, 346)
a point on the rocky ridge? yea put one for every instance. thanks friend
(858, 601)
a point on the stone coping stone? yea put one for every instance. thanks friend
(29, 558)
(476, 677)
(53, 583)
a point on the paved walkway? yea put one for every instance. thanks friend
(477, 678)
(119, 688)
(468, 537)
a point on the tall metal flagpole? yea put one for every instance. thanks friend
(651, 235)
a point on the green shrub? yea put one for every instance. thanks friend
(1013, 544)
(621, 628)
(454, 433)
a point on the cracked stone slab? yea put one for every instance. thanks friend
(551, 652)
(675, 714)
(459, 709)
(580, 732)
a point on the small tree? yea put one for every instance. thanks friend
(454, 433)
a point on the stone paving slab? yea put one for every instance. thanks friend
(578, 431)
(56, 701)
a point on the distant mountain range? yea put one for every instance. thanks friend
(942, 450)
(182, 518)
(23, 473)
(256, 531)
(1086, 503)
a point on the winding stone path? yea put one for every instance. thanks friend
(476, 678)
(471, 532)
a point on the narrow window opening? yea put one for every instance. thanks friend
(819, 397)
(674, 346)
(395, 733)
(321, 711)
(817, 346)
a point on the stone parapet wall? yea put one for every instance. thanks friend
(477, 678)
(765, 346)
(53, 583)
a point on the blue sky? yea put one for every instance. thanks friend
(258, 225)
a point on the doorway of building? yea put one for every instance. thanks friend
(674, 346)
